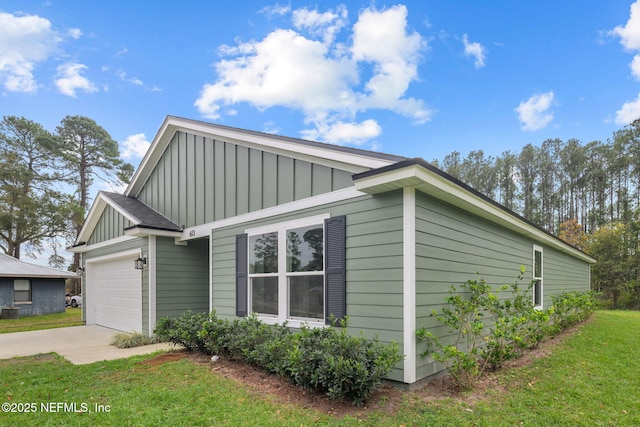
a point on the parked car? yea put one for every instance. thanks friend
(76, 301)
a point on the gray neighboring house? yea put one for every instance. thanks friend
(31, 288)
(242, 222)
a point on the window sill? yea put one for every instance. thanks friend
(22, 302)
(297, 324)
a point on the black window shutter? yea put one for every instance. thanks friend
(335, 268)
(242, 265)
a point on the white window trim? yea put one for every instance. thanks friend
(537, 248)
(283, 283)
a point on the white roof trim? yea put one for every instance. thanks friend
(99, 204)
(143, 232)
(352, 162)
(441, 188)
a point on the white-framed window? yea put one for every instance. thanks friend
(538, 281)
(22, 290)
(286, 271)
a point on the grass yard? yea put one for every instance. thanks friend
(71, 317)
(589, 379)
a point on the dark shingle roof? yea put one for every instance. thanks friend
(145, 216)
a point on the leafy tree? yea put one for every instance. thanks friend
(89, 152)
(31, 210)
(616, 274)
(573, 233)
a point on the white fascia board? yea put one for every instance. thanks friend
(115, 241)
(204, 230)
(99, 204)
(351, 162)
(441, 188)
(144, 232)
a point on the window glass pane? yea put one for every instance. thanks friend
(304, 249)
(263, 253)
(21, 290)
(537, 293)
(537, 269)
(21, 296)
(306, 296)
(21, 285)
(264, 295)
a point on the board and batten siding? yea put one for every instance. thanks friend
(373, 264)
(200, 180)
(182, 277)
(453, 246)
(110, 225)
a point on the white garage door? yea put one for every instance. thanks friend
(117, 294)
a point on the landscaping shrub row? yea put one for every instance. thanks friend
(329, 360)
(487, 329)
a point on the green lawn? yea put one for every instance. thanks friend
(591, 379)
(71, 317)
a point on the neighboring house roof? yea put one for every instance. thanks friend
(14, 268)
(427, 178)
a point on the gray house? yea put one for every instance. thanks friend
(32, 289)
(224, 219)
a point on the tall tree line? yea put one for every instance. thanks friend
(586, 194)
(45, 180)
(593, 183)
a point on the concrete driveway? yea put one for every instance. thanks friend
(78, 344)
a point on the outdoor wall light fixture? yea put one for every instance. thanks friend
(140, 263)
(80, 270)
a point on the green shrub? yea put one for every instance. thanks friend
(183, 330)
(134, 339)
(328, 360)
(488, 329)
(343, 366)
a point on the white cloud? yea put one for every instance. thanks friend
(326, 24)
(275, 10)
(635, 67)
(534, 113)
(75, 33)
(310, 71)
(630, 33)
(475, 50)
(134, 147)
(133, 80)
(25, 41)
(345, 133)
(630, 37)
(69, 80)
(629, 112)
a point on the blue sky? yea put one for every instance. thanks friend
(419, 78)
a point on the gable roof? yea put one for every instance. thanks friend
(430, 180)
(14, 268)
(350, 159)
(139, 214)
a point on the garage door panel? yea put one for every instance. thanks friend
(118, 294)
